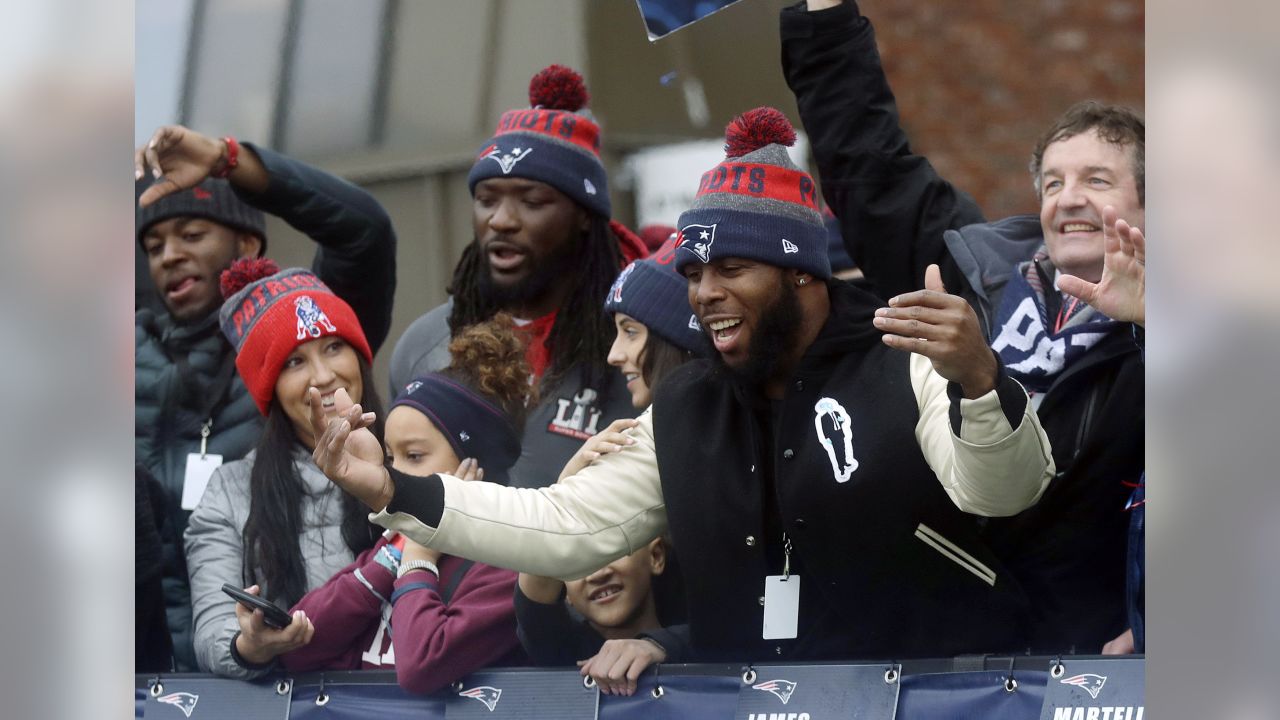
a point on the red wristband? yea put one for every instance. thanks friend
(232, 161)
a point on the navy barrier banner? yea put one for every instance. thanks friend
(985, 694)
(818, 692)
(1095, 689)
(177, 698)
(1020, 689)
(531, 695)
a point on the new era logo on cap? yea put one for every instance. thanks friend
(586, 185)
(789, 247)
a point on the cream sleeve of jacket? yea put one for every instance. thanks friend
(615, 505)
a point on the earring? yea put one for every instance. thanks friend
(802, 281)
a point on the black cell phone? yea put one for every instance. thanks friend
(273, 615)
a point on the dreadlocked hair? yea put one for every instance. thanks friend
(273, 556)
(583, 332)
(489, 357)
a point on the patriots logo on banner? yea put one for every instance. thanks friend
(789, 247)
(831, 421)
(485, 694)
(310, 318)
(697, 239)
(781, 688)
(184, 701)
(506, 161)
(1091, 683)
(616, 290)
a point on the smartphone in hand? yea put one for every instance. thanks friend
(272, 614)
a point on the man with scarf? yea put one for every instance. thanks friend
(825, 487)
(1083, 369)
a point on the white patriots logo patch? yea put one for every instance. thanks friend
(507, 161)
(832, 422)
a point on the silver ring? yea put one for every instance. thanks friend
(891, 676)
(1010, 684)
(457, 686)
(322, 699)
(749, 676)
(1057, 671)
(588, 682)
(283, 687)
(156, 689)
(657, 692)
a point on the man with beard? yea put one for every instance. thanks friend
(546, 252)
(822, 485)
(201, 209)
(1083, 369)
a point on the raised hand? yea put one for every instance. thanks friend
(943, 328)
(618, 665)
(610, 440)
(347, 453)
(178, 158)
(1121, 294)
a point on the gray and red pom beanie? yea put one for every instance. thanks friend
(556, 141)
(212, 199)
(269, 312)
(652, 292)
(756, 203)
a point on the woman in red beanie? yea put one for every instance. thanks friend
(272, 521)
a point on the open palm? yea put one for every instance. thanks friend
(348, 453)
(1121, 292)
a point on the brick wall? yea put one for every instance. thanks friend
(977, 81)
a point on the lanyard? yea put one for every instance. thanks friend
(1057, 326)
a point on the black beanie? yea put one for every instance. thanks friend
(212, 199)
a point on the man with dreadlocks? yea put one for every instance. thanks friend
(545, 251)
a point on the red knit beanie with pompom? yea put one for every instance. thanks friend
(269, 312)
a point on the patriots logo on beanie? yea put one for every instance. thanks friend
(506, 160)
(697, 239)
(555, 141)
(756, 204)
(310, 318)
